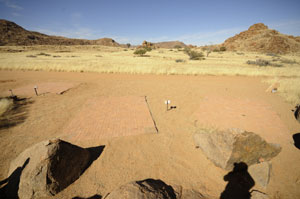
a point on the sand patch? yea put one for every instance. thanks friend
(110, 117)
(247, 114)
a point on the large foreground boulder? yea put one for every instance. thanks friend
(260, 173)
(50, 167)
(224, 148)
(152, 189)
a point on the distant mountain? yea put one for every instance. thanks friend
(12, 34)
(170, 44)
(259, 38)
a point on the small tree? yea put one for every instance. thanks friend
(128, 45)
(223, 48)
(194, 55)
(140, 51)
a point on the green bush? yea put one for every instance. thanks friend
(193, 54)
(223, 48)
(140, 51)
(148, 49)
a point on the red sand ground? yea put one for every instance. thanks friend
(42, 88)
(110, 117)
(170, 155)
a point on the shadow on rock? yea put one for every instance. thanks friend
(95, 152)
(96, 196)
(17, 114)
(239, 183)
(296, 138)
(297, 112)
(10, 190)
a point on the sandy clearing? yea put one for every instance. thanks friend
(110, 117)
(169, 155)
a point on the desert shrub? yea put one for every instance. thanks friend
(193, 54)
(276, 65)
(179, 60)
(262, 62)
(288, 61)
(216, 50)
(44, 54)
(56, 56)
(272, 55)
(259, 62)
(170, 50)
(125, 50)
(140, 51)
(222, 48)
(148, 49)
(177, 46)
(128, 45)
(33, 56)
(240, 53)
(98, 55)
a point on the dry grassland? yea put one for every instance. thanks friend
(104, 59)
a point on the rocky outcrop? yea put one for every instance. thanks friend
(145, 189)
(147, 44)
(224, 148)
(259, 38)
(52, 166)
(152, 189)
(106, 42)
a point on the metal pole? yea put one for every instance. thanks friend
(35, 89)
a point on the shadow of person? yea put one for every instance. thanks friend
(296, 138)
(239, 183)
(10, 190)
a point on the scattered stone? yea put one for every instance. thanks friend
(260, 173)
(224, 148)
(53, 165)
(145, 189)
(153, 189)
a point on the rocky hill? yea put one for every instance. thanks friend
(166, 44)
(170, 44)
(259, 38)
(12, 34)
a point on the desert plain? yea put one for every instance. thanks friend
(110, 98)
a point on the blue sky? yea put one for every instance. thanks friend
(132, 21)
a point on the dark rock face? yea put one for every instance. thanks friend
(53, 165)
(152, 189)
(224, 148)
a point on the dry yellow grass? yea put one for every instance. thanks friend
(159, 61)
(5, 104)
